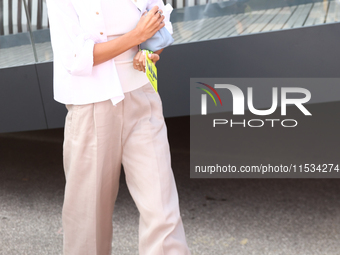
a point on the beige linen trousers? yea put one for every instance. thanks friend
(99, 137)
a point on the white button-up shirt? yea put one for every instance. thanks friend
(75, 26)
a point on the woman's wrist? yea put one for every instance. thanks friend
(136, 36)
(107, 50)
(159, 51)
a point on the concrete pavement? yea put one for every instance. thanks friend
(221, 216)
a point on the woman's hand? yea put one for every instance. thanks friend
(139, 61)
(154, 57)
(147, 26)
(150, 23)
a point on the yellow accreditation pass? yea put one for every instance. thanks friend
(151, 70)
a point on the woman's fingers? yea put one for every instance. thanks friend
(150, 23)
(136, 63)
(156, 14)
(159, 14)
(139, 61)
(142, 61)
(135, 59)
(161, 23)
(154, 10)
(161, 17)
(154, 57)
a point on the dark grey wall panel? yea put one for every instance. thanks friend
(55, 112)
(21, 106)
(303, 52)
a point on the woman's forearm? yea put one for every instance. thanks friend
(107, 50)
(147, 26)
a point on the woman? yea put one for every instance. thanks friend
(114, 116)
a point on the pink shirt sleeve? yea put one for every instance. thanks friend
(69, 42)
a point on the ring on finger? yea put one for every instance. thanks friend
(160, 13)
